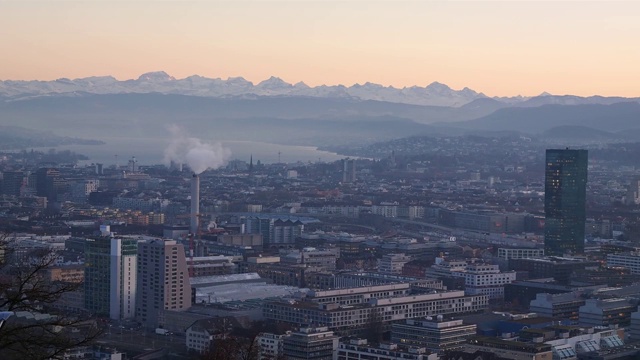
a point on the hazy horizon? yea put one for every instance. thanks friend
(499, 48)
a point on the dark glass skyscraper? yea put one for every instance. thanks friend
(565, 201)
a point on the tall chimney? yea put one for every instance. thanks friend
(195, 204)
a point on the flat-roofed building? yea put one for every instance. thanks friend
(606, 312)
(519, 253)
(392, 263)
(310, 343)
(630, 260)
(213, 265)
(359, 349)
(436, 334)
(270, 346)
(353, 319)
(561, 306)
(515, 350)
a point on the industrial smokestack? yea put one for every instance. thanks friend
(195, 204)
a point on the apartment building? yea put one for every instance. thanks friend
(163, 281)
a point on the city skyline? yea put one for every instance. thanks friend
(502, 48)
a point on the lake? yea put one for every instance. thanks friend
(150, 151)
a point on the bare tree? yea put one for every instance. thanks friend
(233, 348)
(37, 330)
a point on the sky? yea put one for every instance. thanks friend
(500, 48)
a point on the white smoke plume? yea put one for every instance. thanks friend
(198, 155)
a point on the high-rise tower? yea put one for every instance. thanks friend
(110, 276)
(163, 281)
(565, 201)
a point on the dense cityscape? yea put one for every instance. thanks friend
(319, 180)
(469, 248)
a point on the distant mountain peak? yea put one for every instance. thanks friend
(272, 82)
(238, 80)
(156, 76)
(545, 94)
(437, 86)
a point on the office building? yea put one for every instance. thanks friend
(606, 312)
(436, 334)
(348, 171)
(559, 306)
(213, 265)
(519, 253)
(49, 183)
(352, 349)
(514, 350)
(486, 279)
(354, 319)
(110, 277)
(392, 263)
(269, 346)
(310, 343)
(630, 260)
(12, 182)
(201, 334)
(163, 281)
(565, 201)
(324, 259)
(560, 269)
(275, 231)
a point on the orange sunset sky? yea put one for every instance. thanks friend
(501, 48)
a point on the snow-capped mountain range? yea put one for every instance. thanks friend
(435, 94)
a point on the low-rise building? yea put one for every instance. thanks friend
(433, 333)
(353, 319)
(392, 263)
(515, 350)
(629, 260)
(606, 312)
(269, 345)
(360, 349)
(310, 343)
(561, 306)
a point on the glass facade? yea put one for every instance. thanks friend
(97, 276)
(565, 201)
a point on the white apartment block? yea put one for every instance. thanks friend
(486, 279)
(479, 278)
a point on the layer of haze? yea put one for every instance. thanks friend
(501, 48)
